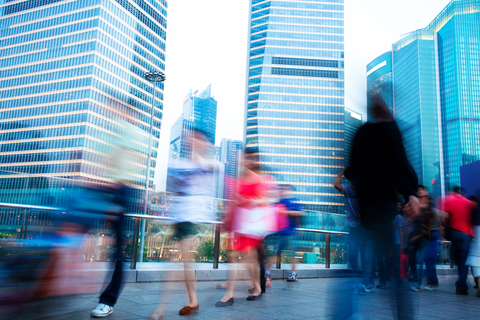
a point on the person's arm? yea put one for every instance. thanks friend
(338, 181)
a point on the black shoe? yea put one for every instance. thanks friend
(461, 292)
(252, 297)
(221, 304)
(476, 286)
(381, 285)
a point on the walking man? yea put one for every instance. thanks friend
(460, 210)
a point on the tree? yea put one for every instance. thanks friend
(205, 251)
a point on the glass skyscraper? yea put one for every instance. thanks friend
(436, 83)
(353, 122)
(294, 108)
(71, 81)
(379, 80)
(199, 112)
(230, 157)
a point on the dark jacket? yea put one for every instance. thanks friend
(379, 169)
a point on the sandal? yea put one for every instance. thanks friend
(188, 310)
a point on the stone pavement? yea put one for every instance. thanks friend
(305, 299)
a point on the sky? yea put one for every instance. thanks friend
(207, 44)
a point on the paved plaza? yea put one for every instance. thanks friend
(305, 299)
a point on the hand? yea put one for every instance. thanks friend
(412, 207)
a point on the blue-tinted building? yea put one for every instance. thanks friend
(230, 157)
(380, 80)
(353, 122)
(458, 40)
(436, 85)
(417, 105)
(199, 112)
(470, 178)
(294, 112)
(71, 77)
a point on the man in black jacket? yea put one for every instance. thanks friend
(379, 169)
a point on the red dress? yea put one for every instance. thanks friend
(251, 189)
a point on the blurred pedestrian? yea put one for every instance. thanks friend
(431, 233)
(121, 154)
(359, 251)
(380, 169)
(191, 179)
(460, 211)
(251, 199)
(473, 259)
(283, 240)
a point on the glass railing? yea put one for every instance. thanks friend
(320, 239)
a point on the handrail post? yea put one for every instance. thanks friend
(22, 225)
(27, 215)
(279, 260)
(450, 250)
(327, 251)
(216, 247)
(133, 255)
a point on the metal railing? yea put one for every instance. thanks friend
(136, 232)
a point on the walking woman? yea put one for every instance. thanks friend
(473, 259)
(251, 197)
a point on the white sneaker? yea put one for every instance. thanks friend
(101, 311)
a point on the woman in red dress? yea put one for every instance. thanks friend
(252, 192)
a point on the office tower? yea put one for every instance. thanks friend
(416, 105)
(379, 80)
(294, 110)
(353, 122)
(436, 80)
(72, 81)
(230, 157)
(199, 112)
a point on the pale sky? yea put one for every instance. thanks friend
(207, 44)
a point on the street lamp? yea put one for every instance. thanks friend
(154, 77)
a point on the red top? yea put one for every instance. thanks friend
(252, 188)
(460, 210)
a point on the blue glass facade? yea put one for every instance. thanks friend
(380, 80)
(199, 112)
(457, 29)
(416, 105)
(436, 82)
(71, 75)
(353, 122)
(295, 96)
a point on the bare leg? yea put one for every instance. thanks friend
(254, 271)
(189, 271)
(232, 275)
(294, 262)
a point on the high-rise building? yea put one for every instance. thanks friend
(199, 112)
(416, 105)
(71, 78)
(379, 80)
(294, 110)
(353, 122)
(436, 84)
(230, 157)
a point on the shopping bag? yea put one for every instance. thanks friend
(252, 222)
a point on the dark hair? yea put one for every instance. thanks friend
(421, 187)
(473, 198)
(196, 131)
(378, 109)
(458, 190)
